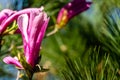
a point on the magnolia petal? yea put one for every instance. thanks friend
(78, 8)
(40, 23)
(15, 16)
(13, 61)
(37, 22)
(35, 29)
(39, 40)
(4, 15)
(8, 12)
(42, 32)
(24, 11)
(60, 15)
(32, 16)
(23, 25)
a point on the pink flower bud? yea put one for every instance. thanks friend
(70, 10)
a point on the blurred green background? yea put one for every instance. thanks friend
(87, 48)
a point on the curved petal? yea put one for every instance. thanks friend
(13, 61)
(42, 32)
(35, 29)
(60, 15)
(15, 16)
(39, 40)
(38, 28)
(8, 12)
(23, 25)
(4, 15)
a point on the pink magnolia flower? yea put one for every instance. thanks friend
(4, 15)
(70, 10)
(32, 27)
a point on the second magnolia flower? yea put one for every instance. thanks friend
(70, 10)
(32, 26)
